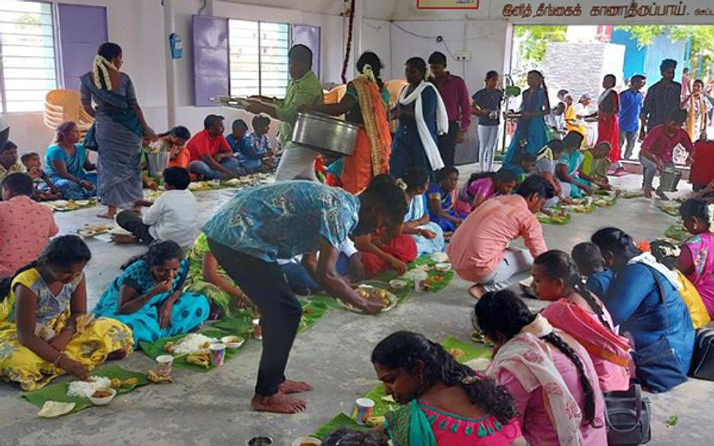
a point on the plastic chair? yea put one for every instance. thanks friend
(335, 95)
(394, 87)
(66, 105)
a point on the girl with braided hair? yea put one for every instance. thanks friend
(578, 312)
(443, 402)
(644, 300)
(550, 375)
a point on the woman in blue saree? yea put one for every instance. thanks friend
(66, 164)
(568, 166)
(531, 132)
(148, 296)
(117, 131)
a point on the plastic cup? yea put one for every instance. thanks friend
(164, 365)
(257, 329)
(218, 354)
(420, 281)
(365, 408)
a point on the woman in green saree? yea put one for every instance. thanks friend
(444, 403)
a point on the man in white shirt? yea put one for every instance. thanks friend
(173, 216)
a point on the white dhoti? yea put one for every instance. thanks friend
(296, 163)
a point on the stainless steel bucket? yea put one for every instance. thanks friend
(670, 179)
(325, 134)
(157, 162)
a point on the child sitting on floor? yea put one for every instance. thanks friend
(45, 189)
(525, 165)
(591, 264)
(596, 165)
(174, 216)
(482, 186)
(255, 146)
(441, 196)
(238, 130)
(386, 248)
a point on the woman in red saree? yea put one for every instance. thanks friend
(365, 103)
(608, 107)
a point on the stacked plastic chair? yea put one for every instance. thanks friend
(65, 105)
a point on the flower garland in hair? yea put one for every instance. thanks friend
(99, 70)
(401, 184)
(368, 72)
(710, 217)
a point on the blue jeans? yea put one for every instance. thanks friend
(301, 282)
(202, 168)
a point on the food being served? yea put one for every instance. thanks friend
(677, 233)
(92, 230)
(102, 392)
(456, 352)
(53, 409)
(194, 343)
(440, 257)
(374, 422)
(478, 337)
(373, 294)
(158, 379)
(86, 389)
(201, 360)
(128, 383)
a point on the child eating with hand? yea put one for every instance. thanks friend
(42, 192)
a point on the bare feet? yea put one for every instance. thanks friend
(278, 403)
(662, 195)
(477, 291)
(648, 193)
(124, 239)
(289, 386)
(110, 214)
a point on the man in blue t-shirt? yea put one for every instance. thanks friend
(630, 107)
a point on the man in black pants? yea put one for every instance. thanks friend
(260, 225)
(457, 101)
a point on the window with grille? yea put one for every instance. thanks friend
(27, 55)
(258, 58)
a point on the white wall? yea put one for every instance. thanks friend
(376, 37)
(138, 27)
(485, 40)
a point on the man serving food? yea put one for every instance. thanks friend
(258, 226)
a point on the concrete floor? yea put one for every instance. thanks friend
(208, 409)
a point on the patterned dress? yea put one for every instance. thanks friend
(91, 346)
(700, 247)
(417, 424)
(189, 310)
(229, 305)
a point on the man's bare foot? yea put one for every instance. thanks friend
(289, 386)
(662, 195)
(648, 193)
(110, 214)
(124, 239)
(477, 291)
(278, 403)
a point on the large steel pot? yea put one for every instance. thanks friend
(325, 134)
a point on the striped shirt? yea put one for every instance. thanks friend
(662, 99)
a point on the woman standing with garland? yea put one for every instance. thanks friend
(117, 131)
